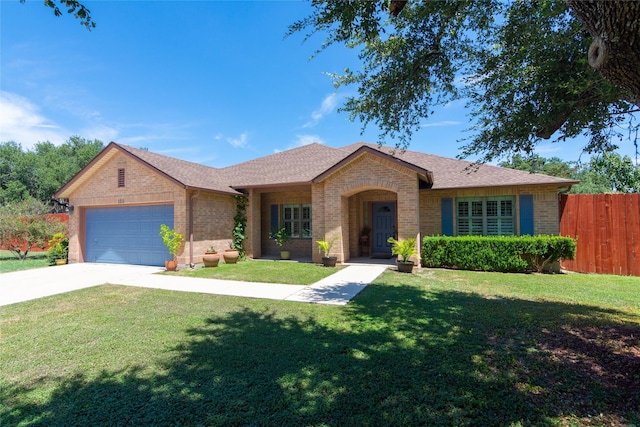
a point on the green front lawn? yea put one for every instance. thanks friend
(9, 262)
(434, 348)
(287, 272)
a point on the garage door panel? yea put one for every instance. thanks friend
(127, 235)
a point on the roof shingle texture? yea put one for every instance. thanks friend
(452, 173)
(303, 164)
(187, 173)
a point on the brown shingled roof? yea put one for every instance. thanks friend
(304, 164)
(187, 174)
(295, 166)
(452, 173)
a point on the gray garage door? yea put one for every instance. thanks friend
(127, 235)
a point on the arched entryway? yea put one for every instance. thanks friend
(373, 219)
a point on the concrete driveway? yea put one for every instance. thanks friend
(337, 289)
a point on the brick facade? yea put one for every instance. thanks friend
(341, 206)
(344, 194)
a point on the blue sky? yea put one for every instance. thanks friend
(211, 82)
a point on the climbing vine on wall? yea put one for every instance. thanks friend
(240, 225)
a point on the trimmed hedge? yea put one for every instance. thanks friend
(500, 253)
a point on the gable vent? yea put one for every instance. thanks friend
(120, 178)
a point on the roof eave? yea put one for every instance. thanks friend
(556, 184)
(231, 191)
(276, 185)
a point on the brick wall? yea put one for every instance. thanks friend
(212, 224)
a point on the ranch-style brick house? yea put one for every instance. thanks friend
(118, 201)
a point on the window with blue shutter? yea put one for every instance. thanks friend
(526, 214)
(446, 210)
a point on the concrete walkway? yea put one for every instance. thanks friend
(337, 289)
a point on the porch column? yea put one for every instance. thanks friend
(317, 219)
(253, 244)
(336, 208)
(409, 213)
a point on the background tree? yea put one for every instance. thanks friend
(24, 226)
(621, 174)
(16, 173)
(609, 173)
(39, 173)
(553, 166)
(522, 65)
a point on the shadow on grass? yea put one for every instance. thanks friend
(398, 356)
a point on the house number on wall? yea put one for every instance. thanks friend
(120, 201)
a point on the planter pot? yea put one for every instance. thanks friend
(405, 267)
(61, 261)
(285, 254)
(329, 261)
(211, 259)
(171, 265)
(231, 256)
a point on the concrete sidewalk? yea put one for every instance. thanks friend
(337, 289)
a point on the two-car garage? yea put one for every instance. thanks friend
(127, 235)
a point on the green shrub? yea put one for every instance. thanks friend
(501, 253)
(58, 248)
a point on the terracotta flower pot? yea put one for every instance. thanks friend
(61, 261)
(211, 259)
(171, 265)
(231, 256)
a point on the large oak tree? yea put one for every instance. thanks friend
(523, 65)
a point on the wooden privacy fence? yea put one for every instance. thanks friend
(607, 229)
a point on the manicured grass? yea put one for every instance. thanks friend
(9, 262)
(287, 272)
(434, 348)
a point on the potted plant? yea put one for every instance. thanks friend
(405, 249)
(231, 255)
(281, 236)
(211, 257)
(324, 247)
(172, 240)
(58, 252)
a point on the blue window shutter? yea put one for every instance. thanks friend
(446, 208)
(526, 214)
(274, 217)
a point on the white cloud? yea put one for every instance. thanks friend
(103, 133)
(22, 122)
(301, 140)
(239, 142)
(306, 139)
(328, 105)
(443, 123)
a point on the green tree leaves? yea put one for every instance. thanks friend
(608, 173)
(44, 170)
(522, 65)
